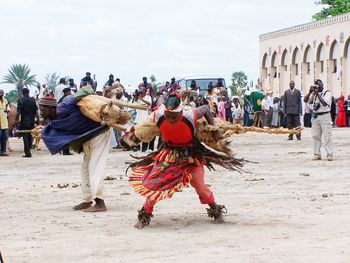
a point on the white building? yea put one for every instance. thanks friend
(317, 50)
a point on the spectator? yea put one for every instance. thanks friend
(166, 88)
(146, 86)
(275, 114)
(269, 100)
(87, 80)
(283, 119)
(212, 98)
(248, 109)
(333, 110)
(94, 84)
(4, 110)
(39, 92)
(264, 112)
(341, 118)
(292, 108)
(228, 110)
(141, 97)
(194, 86)
(320, 101)
(58, 94)
(236, 112)
(219, 86)
(109, 82)
(73, 87)
(347, 111)
(307, 116)
(174, 86)
(108, 86)
(27, 111)
(221, 109)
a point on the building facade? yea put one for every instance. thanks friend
(317, 50)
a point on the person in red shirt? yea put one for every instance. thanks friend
(174, 86)
(179, 162)
(341, 117)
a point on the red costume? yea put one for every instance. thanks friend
(341, 118)
(175, 165)
(179, 162)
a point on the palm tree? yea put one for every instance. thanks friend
(19, 75)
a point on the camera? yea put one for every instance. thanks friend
(316, 106)
(313, 88)
(137, 93)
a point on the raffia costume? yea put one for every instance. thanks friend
(179, 161)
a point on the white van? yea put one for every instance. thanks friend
(202, 81)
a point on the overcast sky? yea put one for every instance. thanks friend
(136, 38)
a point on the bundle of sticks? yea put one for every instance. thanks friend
(107, 111)
(36, 135)
(147, 130)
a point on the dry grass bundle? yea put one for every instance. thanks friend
(205, 133)
(147, 130)
(110, 92)
(240, 129)
(36, 135)
(107, 111)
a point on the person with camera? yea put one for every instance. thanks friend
(292, 108)
(320, 102)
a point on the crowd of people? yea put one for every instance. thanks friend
(287, 111)
(276, 112)
(180, 158)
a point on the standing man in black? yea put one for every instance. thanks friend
(292, 108)
(27, 110)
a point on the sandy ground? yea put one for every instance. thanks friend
(286, 208)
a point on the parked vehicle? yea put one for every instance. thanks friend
(202, 81)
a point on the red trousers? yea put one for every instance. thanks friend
(205, 195)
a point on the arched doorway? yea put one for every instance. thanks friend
(334, 69)
(273, 74)
(295, 73)
(284, 72)
(320, 67)
(263, 71)
(307, 68)
(346, 68)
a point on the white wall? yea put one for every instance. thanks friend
(327, 36)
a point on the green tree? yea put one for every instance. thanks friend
(332, 8)
(239, 82)
(51, 80)
(12, 96)
(19, 75)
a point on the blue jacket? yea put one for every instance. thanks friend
(70, 127)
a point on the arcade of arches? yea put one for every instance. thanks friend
(318, 50)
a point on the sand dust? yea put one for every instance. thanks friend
(286, 208)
